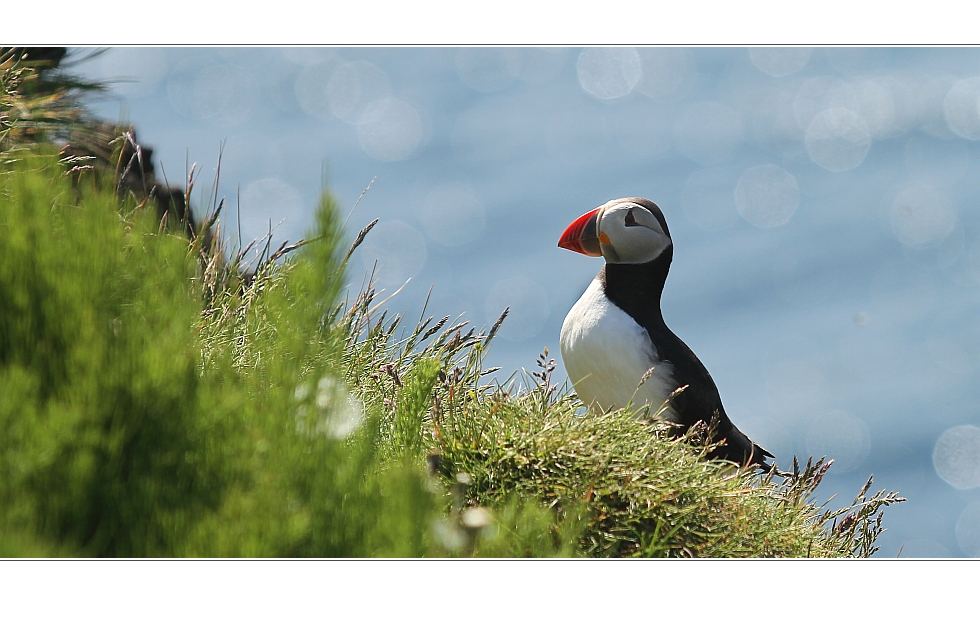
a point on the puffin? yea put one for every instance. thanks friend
(615, 345)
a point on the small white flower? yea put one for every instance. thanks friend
(448, 535)
(476, 518)
(340, 411)
(302, 391)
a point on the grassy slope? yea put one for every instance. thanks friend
(562, 481)
(620, 486)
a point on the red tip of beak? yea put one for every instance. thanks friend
(582, 236)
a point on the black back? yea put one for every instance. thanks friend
(636, 289)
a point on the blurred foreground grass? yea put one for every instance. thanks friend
(155, 400)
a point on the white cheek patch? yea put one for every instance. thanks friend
(630, 244)
(633, 244)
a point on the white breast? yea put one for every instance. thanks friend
(606, 354)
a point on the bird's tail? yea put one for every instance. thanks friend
(738, 448)
(759, 456)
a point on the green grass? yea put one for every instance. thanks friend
(156, 402)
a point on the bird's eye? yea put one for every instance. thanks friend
(630, 220)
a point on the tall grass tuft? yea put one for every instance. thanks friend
(112, 443)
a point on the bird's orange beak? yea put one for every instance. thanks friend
(582, 236)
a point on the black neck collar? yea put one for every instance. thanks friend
(636, 287)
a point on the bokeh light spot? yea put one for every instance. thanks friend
(390, 129)
(666, 73)
(877, 108)
(930, 94)
(922, 216)
(608, 72)
(311, 87)
(962, 108)
(453, 214)
(841, 437)
(838, 140)
(767, 196)
(956, 457)
(821, 93)
(528, 304)
(773, 123)
(906, 105)
(353, 87)
(968, 530)
(780, 61)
